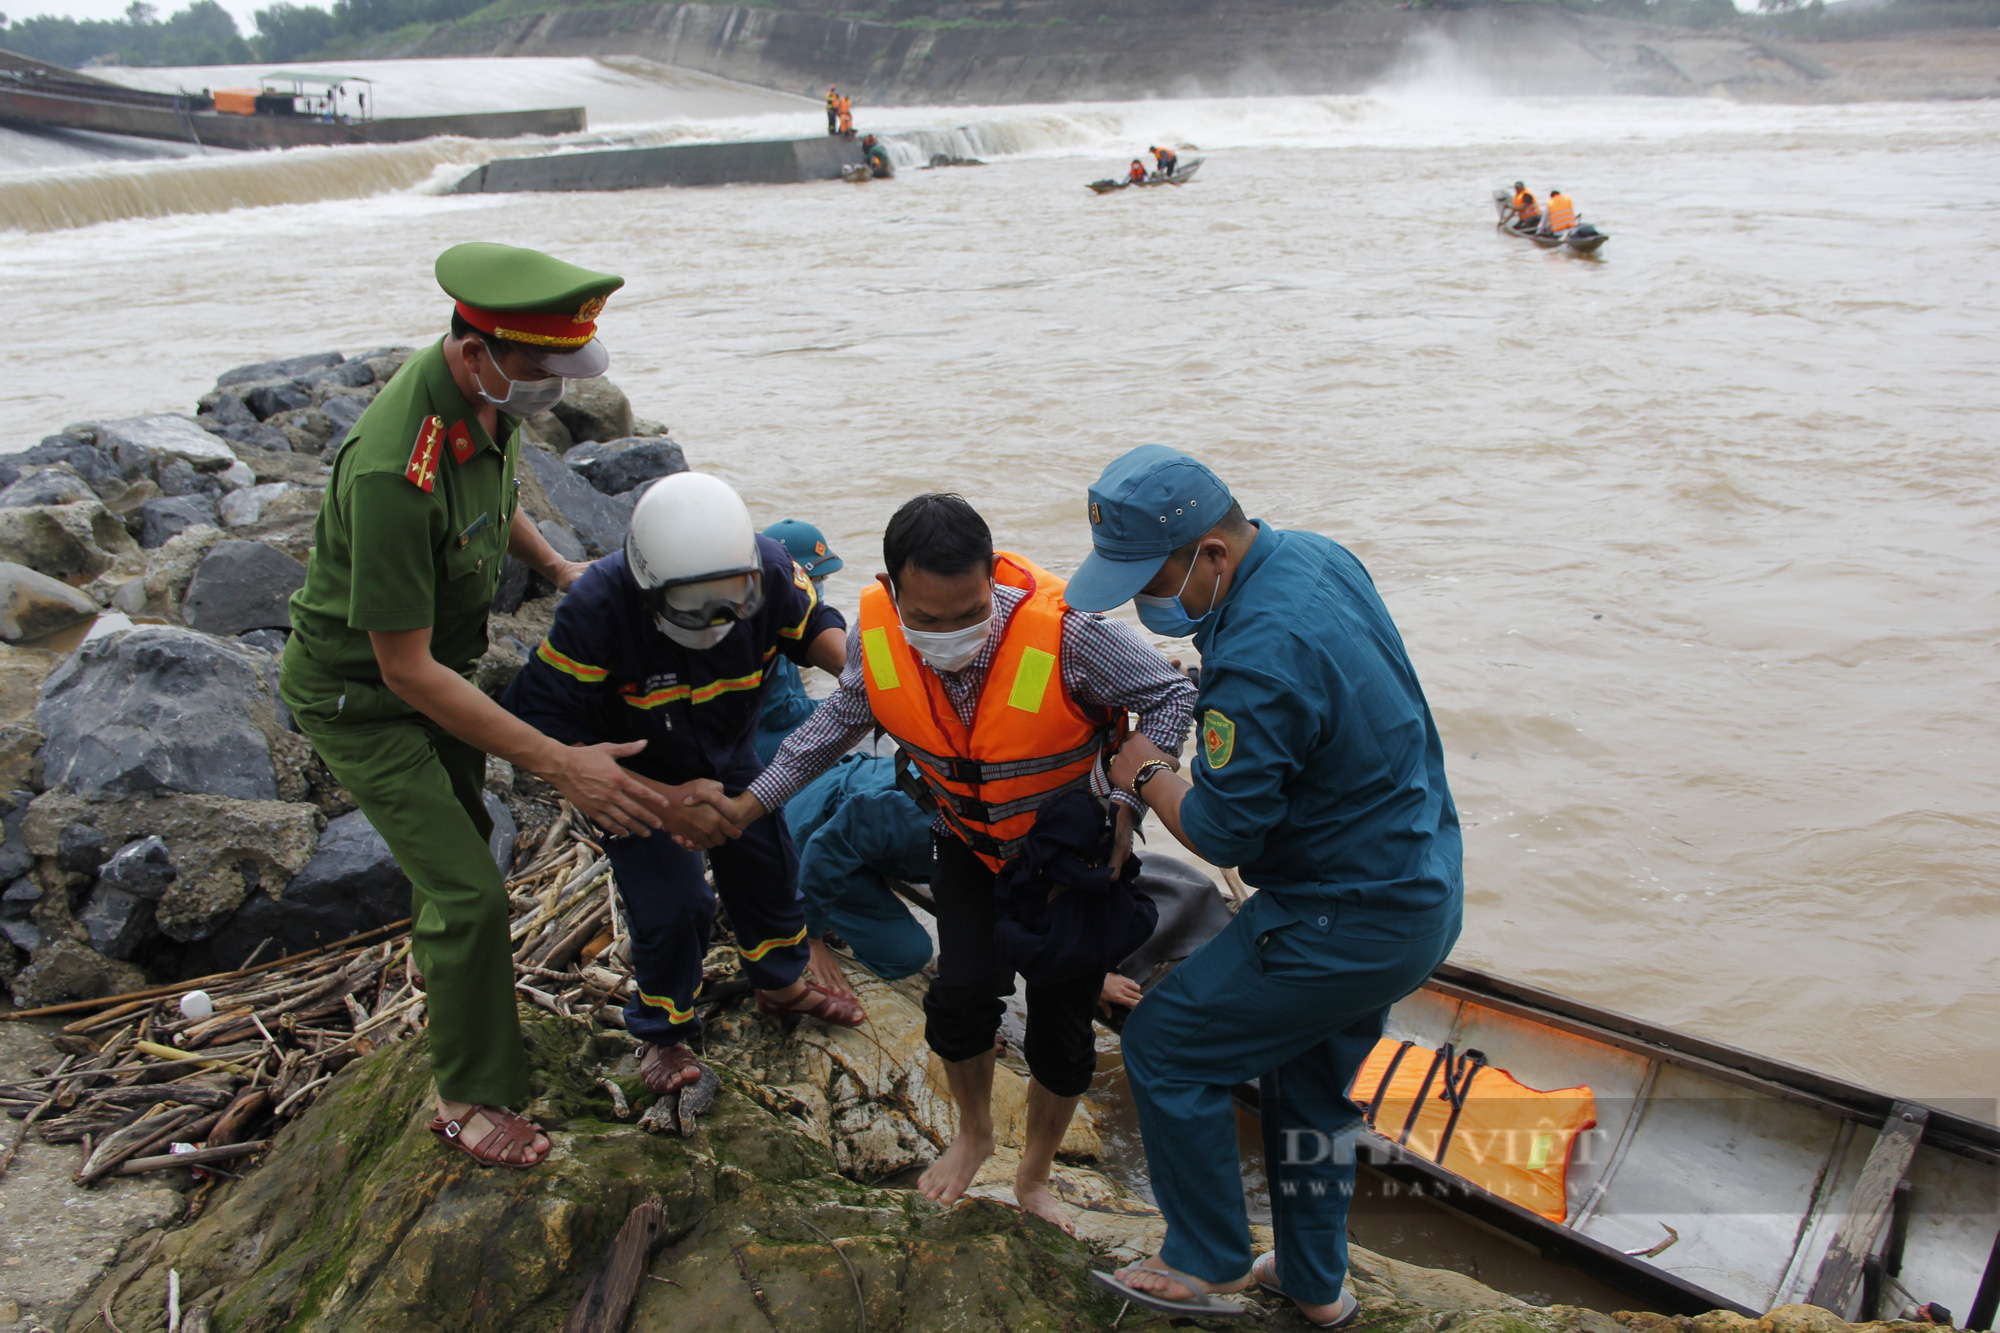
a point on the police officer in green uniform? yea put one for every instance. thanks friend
(419, 516)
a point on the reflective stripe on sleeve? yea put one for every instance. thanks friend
(589, 675)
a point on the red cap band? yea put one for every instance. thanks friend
(536, 330)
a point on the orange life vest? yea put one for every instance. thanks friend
(1029, 740)
(1476, 1121)
(1524, 206)
(1562, 214)
(1138, 173)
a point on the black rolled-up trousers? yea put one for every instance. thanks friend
(967, 998)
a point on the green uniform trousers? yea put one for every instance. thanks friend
(420, 787)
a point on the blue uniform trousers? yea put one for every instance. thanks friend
(854, 827)
(671, 911)
(1294, 995)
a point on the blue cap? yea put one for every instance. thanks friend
(807, 545)
(1147, 505)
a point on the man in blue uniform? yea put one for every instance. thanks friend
(1321, 775)
(668, 641)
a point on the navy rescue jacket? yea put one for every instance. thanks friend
(606, 673)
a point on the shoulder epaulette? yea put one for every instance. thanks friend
(422, 471)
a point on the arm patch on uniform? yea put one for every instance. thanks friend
(461, 442)
(422, 471)
(1218, 738)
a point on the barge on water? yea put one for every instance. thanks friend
(285, 110)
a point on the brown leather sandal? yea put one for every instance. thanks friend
(506, 1144)
(815, 1001)
(668, 1069)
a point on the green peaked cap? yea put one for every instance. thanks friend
(508, 278)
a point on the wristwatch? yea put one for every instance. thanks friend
(1147, 771)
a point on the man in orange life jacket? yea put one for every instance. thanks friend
(1167, 158)
(1001, 698)
(1137, 175)
(1561, 216)
(1527, 213)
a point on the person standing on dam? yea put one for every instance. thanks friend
(1001, 698)
(419, 516)
(1321, 774)
(833, 108)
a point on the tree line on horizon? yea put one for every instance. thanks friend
(205, 33)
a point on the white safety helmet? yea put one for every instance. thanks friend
(693, 552)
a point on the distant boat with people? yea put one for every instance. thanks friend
(284, 110)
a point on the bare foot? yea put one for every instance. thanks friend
(946, 1180)
(1038, 1199)
(826, 970)
(1147, 1277)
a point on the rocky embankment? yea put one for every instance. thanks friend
(163, 817)
(939, 52)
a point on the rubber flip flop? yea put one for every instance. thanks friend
(1349, 1306)
(1207, 1305)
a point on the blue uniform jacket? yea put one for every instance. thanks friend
(606, 673)
(1319, 771)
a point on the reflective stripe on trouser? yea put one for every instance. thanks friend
(421, 788)
(671, 911)
(1299, 1012)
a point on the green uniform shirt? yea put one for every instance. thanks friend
(390, 555)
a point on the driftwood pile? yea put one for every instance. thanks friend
(142, 1087)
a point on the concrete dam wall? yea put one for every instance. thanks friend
(758, 162)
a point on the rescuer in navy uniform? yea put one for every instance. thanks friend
(1320, 774)
(669, 641)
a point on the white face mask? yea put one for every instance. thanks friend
(524, 398)
(696, 639)
(945, 650)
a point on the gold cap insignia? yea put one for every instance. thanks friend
(819, 548)
(1096, 514)
(589, 311)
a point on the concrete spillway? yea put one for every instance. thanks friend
(757, 162)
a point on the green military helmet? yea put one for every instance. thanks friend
(543, 304)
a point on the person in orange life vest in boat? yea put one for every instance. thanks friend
(1527, 212)
(1561, 216)
(1000, 698)
(1137, 175)
(1167, 158)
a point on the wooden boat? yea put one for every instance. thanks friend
(1582, 239)
(1183, 173)
(284, 111)
(1714, 1178)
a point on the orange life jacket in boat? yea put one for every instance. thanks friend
(1029, 740)
(1525, 207)
(1138, 172)
(1562, 214)
(1476, 1121)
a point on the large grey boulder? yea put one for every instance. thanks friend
(15, 858)
(32, 604)
(138, 444)
(222, 409)
(221, 850)
(82, 457)
(616, 466)
(356, 374)
(57, 485)
(343, 412)
(143, 868)
(594, 409)
(81, 848)
(268, 400)
(64, 970)
(163, 519)
(159, 709)
(242, 508)
(70, 541)
(242, 586)
(597, 518)
(117, 921)
(260, 372)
